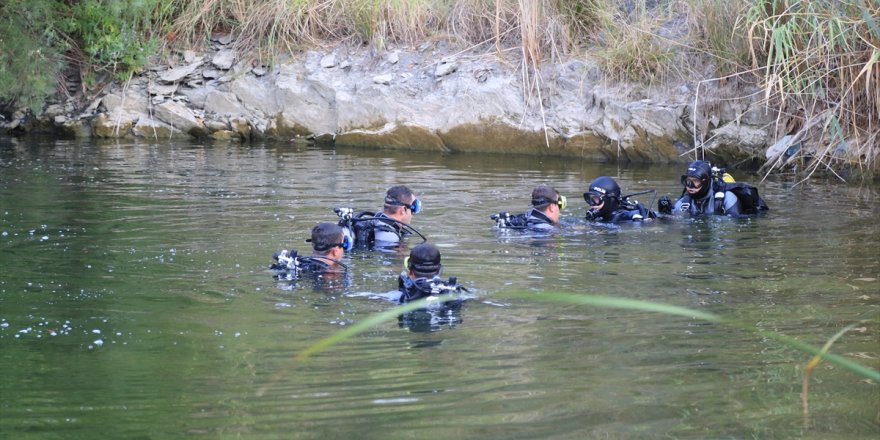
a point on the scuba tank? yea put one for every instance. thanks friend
(749, 199)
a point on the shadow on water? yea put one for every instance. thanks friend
(160, 252)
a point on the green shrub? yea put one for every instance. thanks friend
(30, 52)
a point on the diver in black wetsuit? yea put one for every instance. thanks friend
(547, 205)
(422, 276)
(709, 190)
(329, 244)
(607, 205)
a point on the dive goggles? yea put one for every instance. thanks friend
(346, 244)
(691, 182)
(415, 206)
(561, 202)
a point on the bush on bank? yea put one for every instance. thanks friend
(816, 61)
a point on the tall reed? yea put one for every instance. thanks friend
(819, 64)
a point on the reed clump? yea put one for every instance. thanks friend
(817, 61)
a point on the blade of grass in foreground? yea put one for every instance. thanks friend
(590, 300)
(354, 330)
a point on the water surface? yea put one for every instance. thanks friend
(135, 302)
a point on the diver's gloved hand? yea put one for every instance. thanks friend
(664, 205)
(592, 215)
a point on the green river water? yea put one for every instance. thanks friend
(135, 303)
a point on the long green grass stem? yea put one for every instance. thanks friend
(588, 300)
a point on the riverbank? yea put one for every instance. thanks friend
(610, 81)
(425, 98)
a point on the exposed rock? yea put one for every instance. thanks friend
(152, 129)
(181, 72)
(328, 61)
(394, 57)
(103, 126)
(224, 103)
(223, 59)
(211, 74)
(445, 67)
(225, 135)
(162, 89)
(76, 128)
(241, 127)
(405, 136)
(736, 142)
(384, 79)
(213, 125)
(223, 39)
(179, 117)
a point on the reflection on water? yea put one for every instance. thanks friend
(135, 301)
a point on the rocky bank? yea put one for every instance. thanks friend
(426, 98)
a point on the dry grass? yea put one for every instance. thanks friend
(819, 64)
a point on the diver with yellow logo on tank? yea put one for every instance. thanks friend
(710, 190)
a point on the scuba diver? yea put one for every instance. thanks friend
(421, 278)
(329, 244)
(547, 205)
(387, 228)
(608, 206)
(710, 190)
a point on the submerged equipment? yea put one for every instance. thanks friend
(506, 220)
(423, 287)
(289, 265)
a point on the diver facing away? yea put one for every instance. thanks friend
(421, 277)
(543, 216)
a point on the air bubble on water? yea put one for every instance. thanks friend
(96, 331)
(44, 238)
(118, 333)
(31, 232)
(4, 324)
(5, 233)
(88, 266)
(99, 342)
(237, 334)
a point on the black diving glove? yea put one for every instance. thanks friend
(592, 215)
(664, 205)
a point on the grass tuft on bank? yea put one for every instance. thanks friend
(817, 61)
